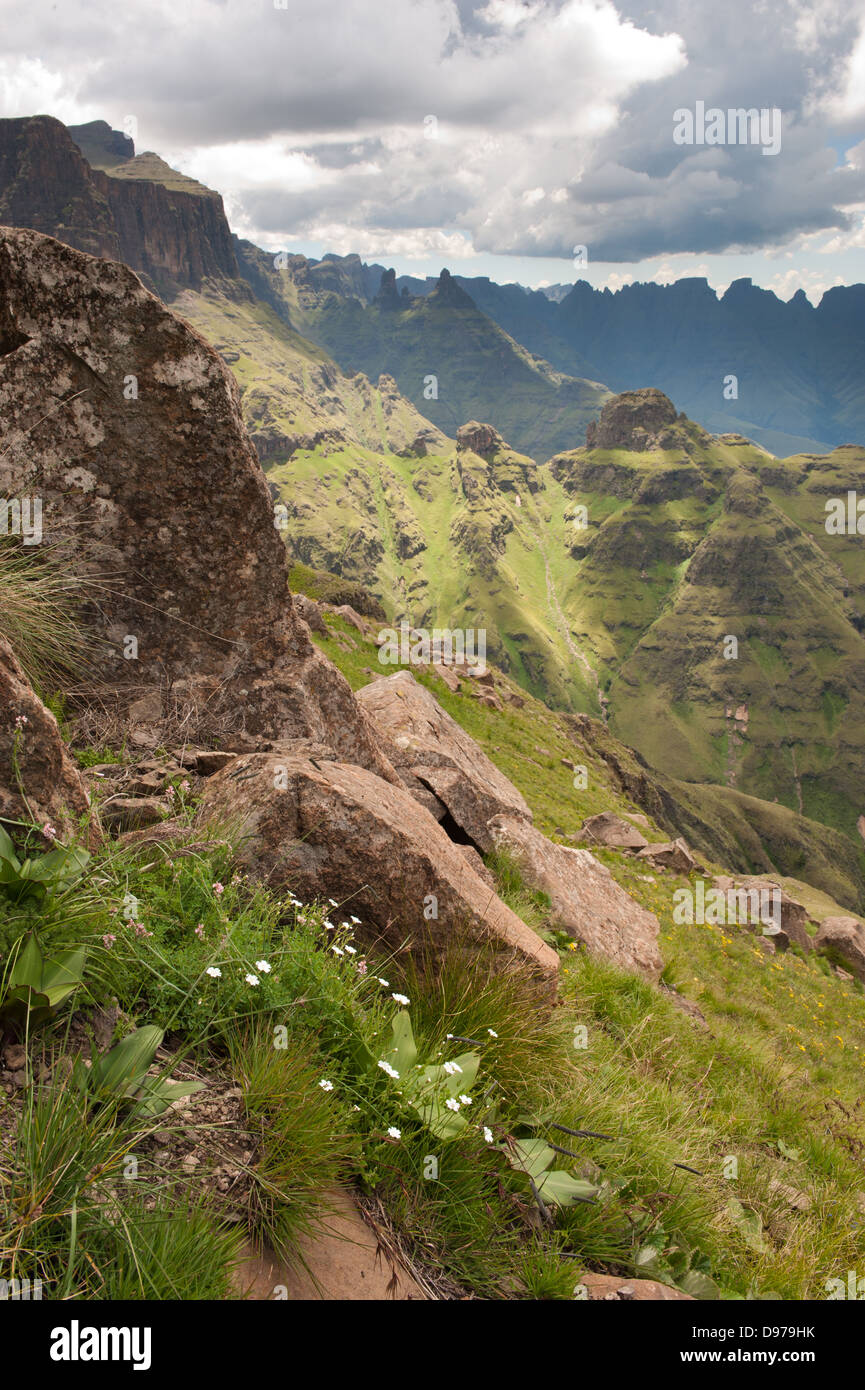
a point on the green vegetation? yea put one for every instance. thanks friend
(684, 547)
(282, 998)
(39, 612)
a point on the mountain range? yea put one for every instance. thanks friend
(456, 447)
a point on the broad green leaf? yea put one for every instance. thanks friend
(63, 973)
(403, 1053)
(465, 1078)
(698, 1285)
(749, 1225)
(157, 1094)
(648, 1255)
(7, 849)
(440, 1121)
(27, 969)
(562, 1190)
(127, 1062)
(535, 1156)
(60, 864)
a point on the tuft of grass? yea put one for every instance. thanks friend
(40, 602)
(71, 1216)
(305, 1150)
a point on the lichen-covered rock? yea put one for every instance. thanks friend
(39, 781)
(128, 426)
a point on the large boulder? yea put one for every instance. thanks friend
(127, 424)
(432, 752)
(325, 828)
(446, 770)
(843, 938)
(39, 782)
(609, 829)
(585, 899)
(673, 855)
(776, 906)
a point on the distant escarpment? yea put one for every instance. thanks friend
(166, 227)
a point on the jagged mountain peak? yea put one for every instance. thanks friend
(448, 292)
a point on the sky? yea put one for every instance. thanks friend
(538, 141)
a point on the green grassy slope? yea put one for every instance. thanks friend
(684, 547)
(479, 371)
(765, 1103)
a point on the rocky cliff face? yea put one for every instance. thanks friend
(128, 425)
(173, 236)
(636, 420)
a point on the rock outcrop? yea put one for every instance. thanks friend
(434, 754)
(611, 830)
(481, 439)
(585, 899)
(673, 855)
(39, 781)
(448, 773)
(332, 829)
(635, 420)
(776, 907)
(843, 938)
(128, 426)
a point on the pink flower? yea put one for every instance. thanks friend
(108, 940)
(361, 967)
(184, 786)
(48, 831)
(141, 930)
(21, 719)
(218, 889)
(199, 931)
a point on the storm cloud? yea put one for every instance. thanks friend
(511, 128)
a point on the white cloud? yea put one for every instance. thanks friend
(847, 103)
